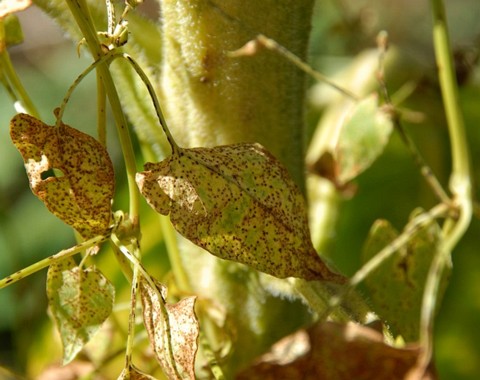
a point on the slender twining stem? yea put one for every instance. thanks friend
(156, 103)
(145, 276)
(275, 46)
(12, 81)
(169, 234)
(52, 259)
(81, 14)
(430, 178)
(251, 48)
(460, 182)
(101, 112)
(131, 319)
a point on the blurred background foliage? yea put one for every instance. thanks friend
(343, 30)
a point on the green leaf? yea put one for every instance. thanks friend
(173, 331)
(13, 30)
(395, 289)
(239, 203)
(82, 189)
(362, 138)
(80, 301)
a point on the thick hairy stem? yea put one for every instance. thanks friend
(214, 99)
(211, 98)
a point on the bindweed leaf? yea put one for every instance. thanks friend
(337, 351)
(239, 203)
(81, 192)
(362, 138)
(173, 331)
(80, 300)
(396, 287)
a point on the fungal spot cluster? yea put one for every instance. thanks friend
(81, 189)
(239, 203)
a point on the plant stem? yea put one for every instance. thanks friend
(25, 272)
(12, 80)
(449, 88)
(460, 182)
(81, 14)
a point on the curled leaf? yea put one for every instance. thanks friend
(173, 331)
(80, 301)
(82, 189)
(239, 203)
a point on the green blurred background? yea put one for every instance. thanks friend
(47, 64)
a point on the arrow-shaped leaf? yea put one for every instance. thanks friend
(239, 203)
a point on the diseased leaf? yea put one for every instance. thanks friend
(395, 289)
(80, 301)
(173, 336)
(239, 203)
(362, 138)
(81, 193)
(337, 351)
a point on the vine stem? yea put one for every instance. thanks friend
(81, 14)
(12, 81)
(25, 272)
(460, 183)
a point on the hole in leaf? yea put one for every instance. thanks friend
(51, 173)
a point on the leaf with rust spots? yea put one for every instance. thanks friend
(336, 351)
(239, 203)
(173, 331)
(395, 289)
(82, 192)
(80, 301)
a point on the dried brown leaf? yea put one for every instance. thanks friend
(81, 194)
(341, 351)
(239, 203)
(173, 336)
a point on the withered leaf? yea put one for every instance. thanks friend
(340, 351)
(239, 203)
(80, 301)
(82, 191)
(172, 336)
